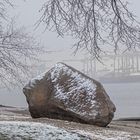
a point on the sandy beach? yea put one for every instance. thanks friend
(123, 129)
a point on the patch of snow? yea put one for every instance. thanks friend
(37, 131)
(77, 78)
(77, 83)
(19, 130)
(33, 81)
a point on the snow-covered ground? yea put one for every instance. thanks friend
(18, 130)
(19, 126)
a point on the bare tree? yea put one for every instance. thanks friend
(93, 23)
(17, 47)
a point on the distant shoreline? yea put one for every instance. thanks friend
(129, 119)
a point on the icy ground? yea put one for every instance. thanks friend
(18, 130)
(20, 126)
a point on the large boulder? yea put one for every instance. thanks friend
(65, 93)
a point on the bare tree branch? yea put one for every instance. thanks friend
(96, 24)
(17, 48)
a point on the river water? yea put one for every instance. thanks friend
(126, 97)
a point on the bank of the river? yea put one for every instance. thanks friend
(20, 121)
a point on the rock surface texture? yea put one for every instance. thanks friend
(65, 93)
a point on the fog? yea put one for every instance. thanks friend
(27, 14)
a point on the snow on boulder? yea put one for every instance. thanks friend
(65, 93)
